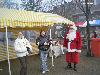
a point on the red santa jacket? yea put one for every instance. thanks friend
(76, 43)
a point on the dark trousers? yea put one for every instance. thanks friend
(23, 62)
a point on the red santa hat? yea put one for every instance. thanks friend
(72, 27)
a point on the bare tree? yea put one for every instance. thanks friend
(85, 6)
(32, 5)
(49, 5)
(1, 3)
(64, 9)
(60, 7)
(82, 5)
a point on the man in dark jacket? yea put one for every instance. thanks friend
(43, 45)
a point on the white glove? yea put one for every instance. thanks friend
(79, 51)
(45, 43)
(38, 43)
(68, 50)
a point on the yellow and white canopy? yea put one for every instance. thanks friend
(22, 18)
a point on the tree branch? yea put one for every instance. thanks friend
(80, 6)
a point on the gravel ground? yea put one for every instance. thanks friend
(87, 66)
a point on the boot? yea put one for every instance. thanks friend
(75, 69)
(68, 66)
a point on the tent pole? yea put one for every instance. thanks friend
(50, 33)
(51, 49)
(8, 51)
(29, 36)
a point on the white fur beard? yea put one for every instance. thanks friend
(71, 36)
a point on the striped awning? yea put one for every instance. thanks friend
(22, 18)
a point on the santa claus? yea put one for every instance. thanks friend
(73, 44)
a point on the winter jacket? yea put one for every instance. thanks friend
(20, 46)
(42, 40)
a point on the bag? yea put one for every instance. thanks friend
(29, 51)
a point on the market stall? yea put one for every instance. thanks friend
(11, 19)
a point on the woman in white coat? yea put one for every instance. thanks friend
(22, 48)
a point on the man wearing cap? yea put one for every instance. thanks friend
(73, 44)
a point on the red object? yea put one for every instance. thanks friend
(73, 57)
(79, 24)
(95, 47)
